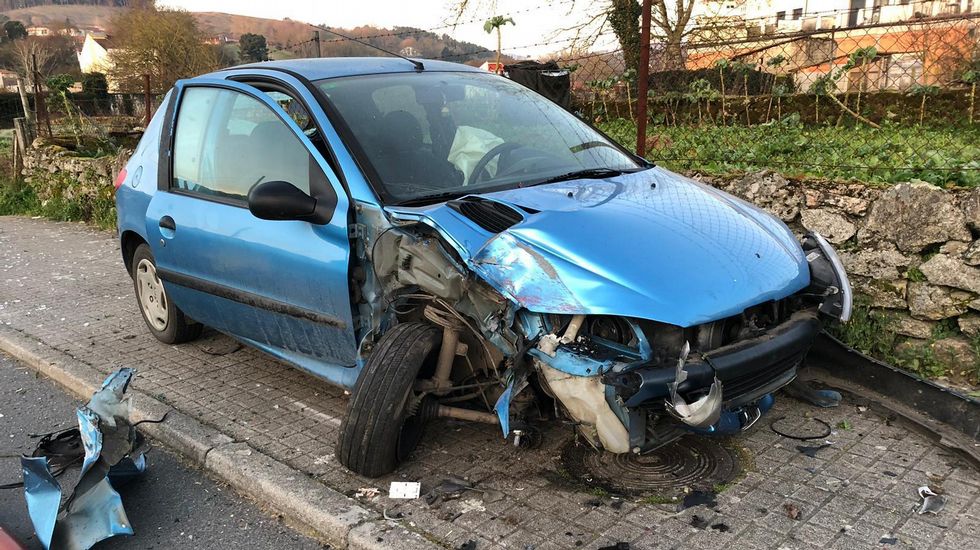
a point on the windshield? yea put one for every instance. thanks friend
(432, 136)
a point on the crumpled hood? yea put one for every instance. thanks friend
(652, 245)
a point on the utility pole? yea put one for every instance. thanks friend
(316, 43)
(643, 81)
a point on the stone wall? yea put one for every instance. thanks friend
(911, 251)
(56, 172)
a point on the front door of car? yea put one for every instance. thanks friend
(281, 285)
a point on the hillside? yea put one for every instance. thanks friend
(282, 35)
(79, 15)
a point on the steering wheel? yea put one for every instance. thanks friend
(477, 175)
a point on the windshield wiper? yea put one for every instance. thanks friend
(425, 200)
(588, 173)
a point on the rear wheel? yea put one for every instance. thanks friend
(165, 320)
(385, 419)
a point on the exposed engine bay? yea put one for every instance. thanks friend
(628, 385)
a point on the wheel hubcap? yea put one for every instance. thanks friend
(152, 297)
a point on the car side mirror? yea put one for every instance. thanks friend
(281, 200)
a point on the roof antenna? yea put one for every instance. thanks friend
(418, 64)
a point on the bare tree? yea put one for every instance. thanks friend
(166, 44)
(669, 19)
(31, 50)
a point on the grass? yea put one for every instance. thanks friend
(945, 156)
(868, 332)
(19, 199)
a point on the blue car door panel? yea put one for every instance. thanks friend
(282, 285)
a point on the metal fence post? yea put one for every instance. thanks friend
(643, 81)
(147, 101)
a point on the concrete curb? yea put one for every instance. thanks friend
(329, 515)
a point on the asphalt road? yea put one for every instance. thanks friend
(173, 506)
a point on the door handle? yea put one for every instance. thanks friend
(167, 222)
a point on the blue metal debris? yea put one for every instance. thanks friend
(94, 510)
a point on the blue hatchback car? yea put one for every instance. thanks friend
(447, 243)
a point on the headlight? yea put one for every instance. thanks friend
(827, 274)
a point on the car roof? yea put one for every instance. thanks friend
(334, 67)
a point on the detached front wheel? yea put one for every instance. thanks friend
(384, 419)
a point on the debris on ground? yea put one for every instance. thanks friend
(698, 498)
(844, 425)
(888, 540)
(393, 517)
(468, 545)
(405, 489)
(367, 492)
(811, 451)
(802, 390)
(617, 546)
(792, 512)
(932, 502)
(449, 489)
(823, 432)
(890, 473)
(471, 505)
(721, 527)
(699, 522)
(110, 451)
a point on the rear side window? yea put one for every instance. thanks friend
(226, 142)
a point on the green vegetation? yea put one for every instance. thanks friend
(870, 333)
(942, 155)
(21, 199)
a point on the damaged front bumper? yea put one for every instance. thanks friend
(748, 369)
(645, 389)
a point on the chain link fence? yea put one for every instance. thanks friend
(877, 102)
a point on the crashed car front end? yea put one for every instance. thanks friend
(647, 307)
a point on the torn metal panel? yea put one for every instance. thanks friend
(112, 451)
(43, 493)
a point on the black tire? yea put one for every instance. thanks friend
(378, 432)
(177, 327)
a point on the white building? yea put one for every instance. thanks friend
(781, 16)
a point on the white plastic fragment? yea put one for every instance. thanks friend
(405, 489)
(932, 503)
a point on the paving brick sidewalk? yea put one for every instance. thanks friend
(64, 285)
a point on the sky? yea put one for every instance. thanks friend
(537, 29)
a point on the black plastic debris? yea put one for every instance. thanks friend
(699, 522)
(617, 546)
(888, 540)
(821, 431)
(447, 489)
(468, 545)
(698, 498)
(721, 527)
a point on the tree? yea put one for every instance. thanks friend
(669, 19)
(27, 52)
(495, 23)
(14, 30)
(624, 17)
(252, 48)
(164, 43)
